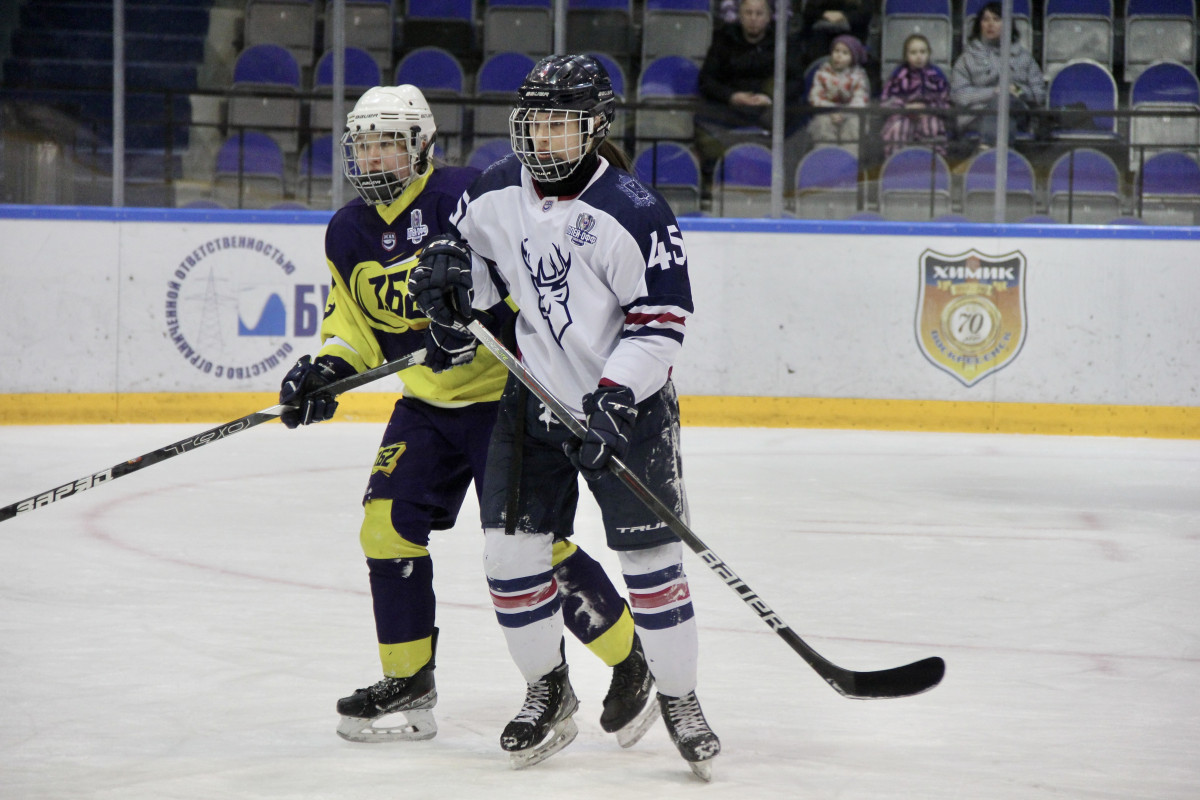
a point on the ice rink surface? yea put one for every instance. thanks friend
(185, 631)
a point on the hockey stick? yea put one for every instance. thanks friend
(199, 440)
(910, 679)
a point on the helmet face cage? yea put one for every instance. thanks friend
(551, 144)
(387, 142)
(379, 164)
(564, 109)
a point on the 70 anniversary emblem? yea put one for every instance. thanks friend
(971, 312)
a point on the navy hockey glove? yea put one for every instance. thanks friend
(447, 347)
(304, 388)
(611, 412)
(440, 284)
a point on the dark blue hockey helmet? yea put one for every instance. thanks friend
(576, 85)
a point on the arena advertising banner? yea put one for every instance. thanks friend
(180, 303)
(220, 307)
(236, 305)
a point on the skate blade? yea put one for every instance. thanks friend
(560, 736)
(632, 733)
(419, 726)
(702, 769)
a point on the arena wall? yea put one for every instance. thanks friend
(146, 315)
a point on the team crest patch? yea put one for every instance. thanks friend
(417, 229)
(578, 233)
(389, 240)
(971, 312)
(636, 192)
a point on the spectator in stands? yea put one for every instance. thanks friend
(825, 20)
(975, 81)
(915, 84)
(840, 82)
(737, 85)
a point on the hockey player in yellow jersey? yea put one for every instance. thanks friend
(435, 443)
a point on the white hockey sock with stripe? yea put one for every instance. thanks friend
(525, 597)
(663, 615)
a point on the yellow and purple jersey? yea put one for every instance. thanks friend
(369, 318)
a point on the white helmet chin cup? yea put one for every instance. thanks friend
(386, 123)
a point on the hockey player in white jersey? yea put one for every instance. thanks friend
(596, 264)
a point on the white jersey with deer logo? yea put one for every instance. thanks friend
(600, 278)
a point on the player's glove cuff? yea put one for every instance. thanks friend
(447, 347)
(611, 413)
(304, 386)
(441, 283)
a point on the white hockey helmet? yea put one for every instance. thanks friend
(387, 143)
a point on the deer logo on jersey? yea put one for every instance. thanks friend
(550, 280)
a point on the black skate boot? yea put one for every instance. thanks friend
(627, 711)
(413, 697)
(543, 726)
(690, 732)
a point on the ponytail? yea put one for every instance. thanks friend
(614, 155)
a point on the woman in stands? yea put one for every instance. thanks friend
(975, 82)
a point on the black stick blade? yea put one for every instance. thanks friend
(915, 678)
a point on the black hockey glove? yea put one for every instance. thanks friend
(440, 284)
(447, 347)
(304, 388)
(611, 412)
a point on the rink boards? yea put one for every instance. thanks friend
(146, 315)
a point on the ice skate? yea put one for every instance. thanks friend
(627, 710)
(413, 697)
(690, 732)
(544, 725)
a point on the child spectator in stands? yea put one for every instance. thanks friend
(975, 81)
(915, 84)
(822, 21)
(840, 82)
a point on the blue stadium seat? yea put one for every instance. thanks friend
(1164, 86)
(518, 26)
(1170, 189)
(448, 24)
(249, 171)
(676, 27)
(673, 170)
(1073, 29)
(1084, 188)
(287, 23)
(1085, 84)
(742, 181)
(268, 79)
(914, 185)
(368, 25)
(604, 25)
(499, 78)
(1158, 30)
(979, 188)
(441, 78)
(826, 184)
(668, 79)
(361, 72)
